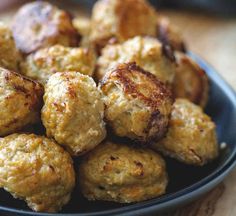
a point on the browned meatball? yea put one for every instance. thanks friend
(170, 34)
(147, 52)
(40, 24)
(120, 20)
(73, 112)
(191, 137)
(137, 104)
(37, 170)
(190, 81)
(20, 101)
(121, 173)
(9, 55)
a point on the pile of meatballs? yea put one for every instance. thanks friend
(118, 91)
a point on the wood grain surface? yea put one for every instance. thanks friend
(214, 39)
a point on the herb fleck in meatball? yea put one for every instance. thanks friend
(191, 137)
(37, 170)
(9, 55)
(121, 20)
(73, 112)
(191, 81)
(45, 62)
(137, 104)
(20, 101)
(120, 173)
(147, 52)
(39, 24)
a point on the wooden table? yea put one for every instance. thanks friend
(215, 40)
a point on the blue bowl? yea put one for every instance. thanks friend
(186, 182)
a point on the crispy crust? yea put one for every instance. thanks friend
(21, 96)
(39, 24)
(121, 20)
(148, 103)
(73, 112)
(121, 173)
(36, 170)
(191, 137)
(124, 74)
(191, 81)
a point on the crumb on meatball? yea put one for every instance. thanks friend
(121, 173)
(169, 34)
(147, 52)
(39, 24)
(121, 20)
(137, 104)
(37, 170)
(47, 61)
(73, 112)
(9, 55)
(191, 137)
(21, 101)
(190, 81)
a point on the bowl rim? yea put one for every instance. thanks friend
(177, 197)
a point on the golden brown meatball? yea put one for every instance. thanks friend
(120, 173)
(45, 62)
(83, 27)
(37, 170)
(9, 55)
(169, 34)
(191, 137)
(147, 52)
(137, 104)
(73, 112)
(20, 101)
(39, 24)
(121, 20)
(191, 81)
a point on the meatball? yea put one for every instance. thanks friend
(9, 55)
(83, 27)
(191, 81)
(121, 20)
(147, 52)
(121, 173)
(21, 101)
(73, 112)
(39, 24)
(45, 62)
(137, 104)
(169, 34)
(191, 137)
(37, 170)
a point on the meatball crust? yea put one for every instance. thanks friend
(191, 81)
(147, 52)
(37, 170)
(9, 55)
(73, 112)
(137, 104)
(191, 137)
(169, 34)
(39, 24)
(20, 101)
(121, 20)
(45, 62)
(121, 173)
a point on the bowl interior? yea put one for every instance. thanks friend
(222, 109)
